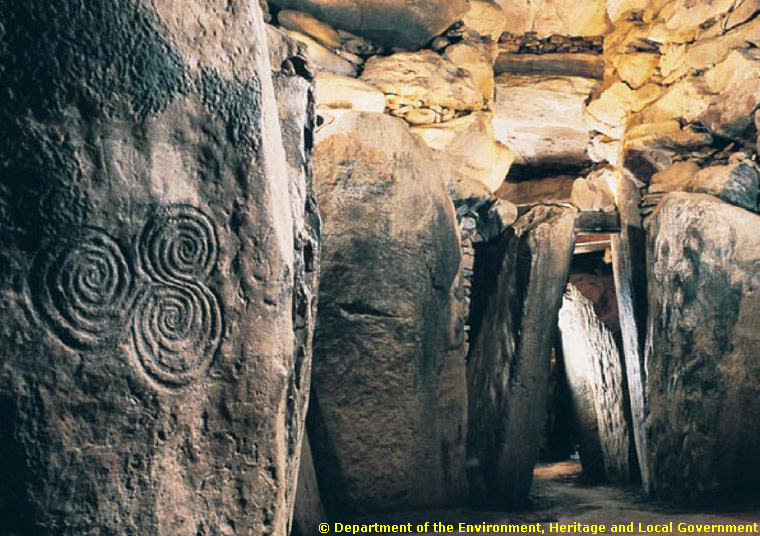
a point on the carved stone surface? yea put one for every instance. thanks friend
(157, 272)
(522, 280)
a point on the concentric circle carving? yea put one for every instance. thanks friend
(82, 287)
(179, 243)
(176, 331)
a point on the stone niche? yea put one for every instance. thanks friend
(157, 272)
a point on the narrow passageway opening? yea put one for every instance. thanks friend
(588, 435)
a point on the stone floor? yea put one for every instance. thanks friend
(560, 495)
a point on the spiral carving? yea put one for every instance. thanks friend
(176, 331)
(179, 243)
(82, 287)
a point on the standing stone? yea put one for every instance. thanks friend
(154, 310)
(293, 85)
(703, 375)
(629, 270)
(595, 375)
(388, 415)
(508, 368)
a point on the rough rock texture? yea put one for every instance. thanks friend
(540, 118)
(508, 369)
(389, 405)
(424, 76)
(309, 511)
(556, 17)
(392, 23)
(156, 264)
(477, 58)
(344, 93)
(702, 368)
(470, 149)
(486, 17)
(595, 375)
(306, 24)
(320, 57)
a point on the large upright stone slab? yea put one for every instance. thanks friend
(595, 376)
(508, 367)
(703, 375)
(388, 415)
(155, 312)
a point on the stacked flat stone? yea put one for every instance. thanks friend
(531, 43)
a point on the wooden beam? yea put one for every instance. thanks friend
(555, 64)
(592, 243)
(597, 222)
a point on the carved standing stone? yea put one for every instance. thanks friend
(155, 313)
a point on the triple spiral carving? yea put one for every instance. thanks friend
(90, 296)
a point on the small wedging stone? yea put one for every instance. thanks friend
(420, 116)
(339, 92)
